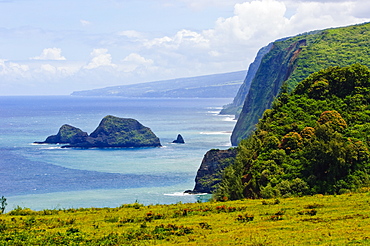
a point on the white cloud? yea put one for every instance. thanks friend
(137, 59)
(130, 34)
(48, 68)
(316, 15)
(361, 10)
(148, 54)
(181, 38)
(85, 22)
(50, 54)
(233, 41)
(134, 62)
(100, 58)
(12, 69)
(251, 21)
(258, 22)
(202, 4)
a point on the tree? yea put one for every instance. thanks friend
(291, 142)
(333, 119)
(3, 204)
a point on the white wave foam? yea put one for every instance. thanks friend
(184, 194)
(54, 147)
(229, 119)
(227, 144)
(215, 133)
(177, 194)
(214, 108)
(213, 112)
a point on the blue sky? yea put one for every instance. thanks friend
(60, 46)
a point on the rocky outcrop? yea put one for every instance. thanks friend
(209, 172)
(67, 134)
(112, 132)
(179, 139)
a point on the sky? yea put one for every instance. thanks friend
(60, 46)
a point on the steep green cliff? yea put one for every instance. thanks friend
(209, 172)
(291, 60)
(313, 140)
(235, 107)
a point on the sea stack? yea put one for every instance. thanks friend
(179, 139)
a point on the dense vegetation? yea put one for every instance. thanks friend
(313, 140)
(122, 132)
(66, 134)
(292, 60)
(311, 220)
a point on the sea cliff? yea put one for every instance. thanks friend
(235, 107)
(209, 172)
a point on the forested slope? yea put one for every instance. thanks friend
(313, 140)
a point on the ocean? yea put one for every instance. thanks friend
(49, 177)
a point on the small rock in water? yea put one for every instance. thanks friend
(179, 139)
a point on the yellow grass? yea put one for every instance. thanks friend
(312, 220)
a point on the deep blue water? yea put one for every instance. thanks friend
(46, 176)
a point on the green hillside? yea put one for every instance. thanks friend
(313, 140)
(292, 60)
(311, 220)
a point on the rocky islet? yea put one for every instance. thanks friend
(112, 132)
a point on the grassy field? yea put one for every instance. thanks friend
(311, 220)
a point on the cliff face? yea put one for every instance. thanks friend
(235, 107)
(291, 60)
(111, 132)
(209, 172)
(274, 69)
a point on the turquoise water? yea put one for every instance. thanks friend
(47, 176)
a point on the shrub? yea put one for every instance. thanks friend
(314, 205)
(22, 211)
(268, 192)
(245, 218)
(3, 226)
(311, 212)
(277, 216)
(205, 225)
(3, 204)
(152, 216)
